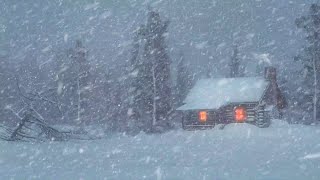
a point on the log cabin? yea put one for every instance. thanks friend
(233, 100)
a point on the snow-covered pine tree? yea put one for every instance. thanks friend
(115, 92)
(73, 84)
(146, 74)
(184, 80)
(310, 58)
(135, 84)
(235, 65)
(106, 91)
(156, 51)
(150, 88)
(83, 85)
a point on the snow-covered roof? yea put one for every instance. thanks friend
(217, 92)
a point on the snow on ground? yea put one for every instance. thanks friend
(240, 151)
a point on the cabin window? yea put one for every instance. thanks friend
(203, 116)
(240, 114)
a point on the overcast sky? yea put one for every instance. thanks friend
(204, 30)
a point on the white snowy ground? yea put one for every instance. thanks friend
(240, 151)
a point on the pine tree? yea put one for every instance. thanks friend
(161, 80)
(136, 84)
(235, 67)
(151, 86)
(83, 82)
(184, 80)
(73, 84)
(146, 71)
(311, 58)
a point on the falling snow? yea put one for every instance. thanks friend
(92, 89)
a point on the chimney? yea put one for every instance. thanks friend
(275, 97)
(270, 73)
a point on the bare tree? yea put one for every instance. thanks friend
(32, 125)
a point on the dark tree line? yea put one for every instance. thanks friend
(308, 91)
(141, 96)
(70, 89)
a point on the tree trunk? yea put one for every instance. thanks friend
(154, 112)
(79, 100)
(315, 96)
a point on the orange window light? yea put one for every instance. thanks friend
(240, 114)
(203, 116)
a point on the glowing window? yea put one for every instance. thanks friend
(240, 114)
(203, 116)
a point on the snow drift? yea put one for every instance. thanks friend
(240, 151)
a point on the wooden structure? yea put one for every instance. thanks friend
(233, 100)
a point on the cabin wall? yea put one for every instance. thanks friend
(191, 117)
(228, 112)
(222, 116)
